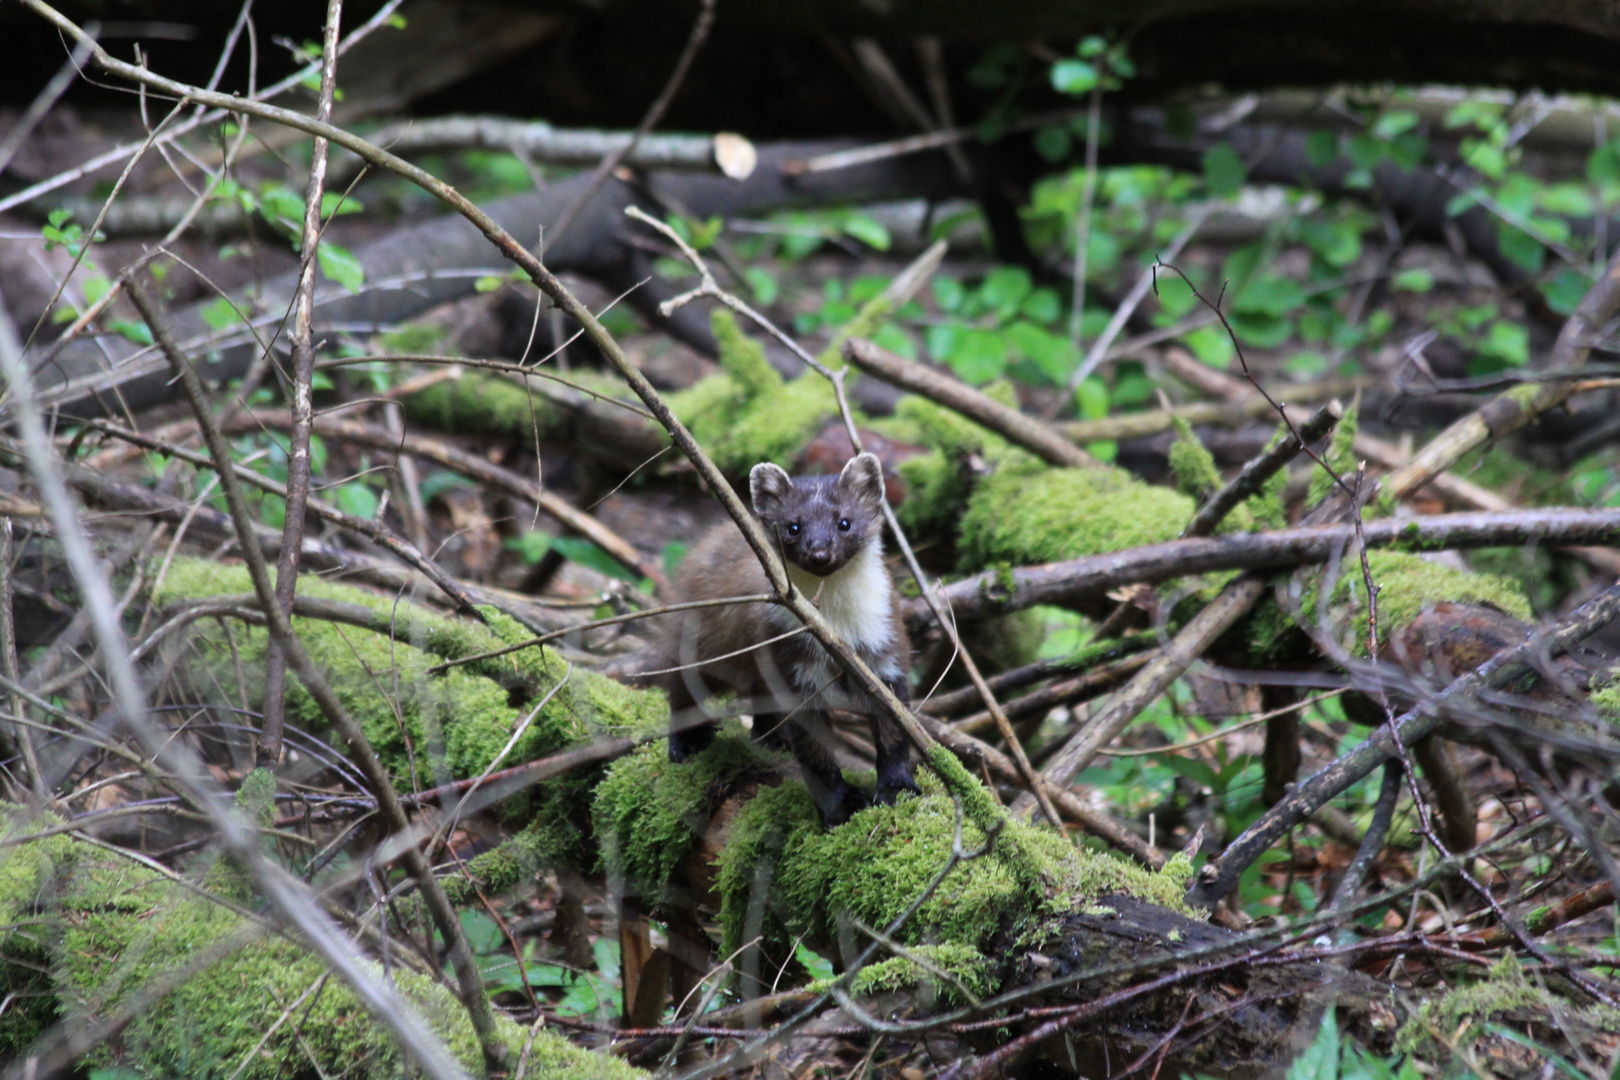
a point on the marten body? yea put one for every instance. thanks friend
(830, 531)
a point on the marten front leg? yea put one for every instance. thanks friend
(686, 738)
(836, 798)
(894, 773)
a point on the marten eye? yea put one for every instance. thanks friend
(843, 524)
(793, 529)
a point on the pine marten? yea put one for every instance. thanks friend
(830, 532)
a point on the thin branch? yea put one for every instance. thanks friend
(303, 408)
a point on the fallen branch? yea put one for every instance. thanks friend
(994, 593)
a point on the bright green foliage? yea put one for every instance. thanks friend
(649, 811)
(1025, 513)
(1438, 1020)
(747, 414)
(111, 927)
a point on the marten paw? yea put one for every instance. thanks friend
(689, 742)
(842, 804)
(890, 787)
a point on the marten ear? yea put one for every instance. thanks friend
(863, 478)
(768, 486)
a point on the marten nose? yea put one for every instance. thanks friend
(818, 560)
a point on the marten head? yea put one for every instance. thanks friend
(821, 521)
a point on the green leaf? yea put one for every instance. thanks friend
(1260, 330)
(531, 546)
(1565, 291)
(357, 500)
(586, 553)
(1269, 295)
(59, 217)
(282, 207)
(896, 340)
(1416, 280)
(335, 202)
(1508, 342)
(977, 356)
(1211, 345)
(867, 230)
(488, 283)
(1394, 123)
(948, 293)
(95, 288)
(1224, 171)
(1004, 288)
(762, 283)
(1320, 1061)
(1073, 76)
(1520, 248)
(220, 313)
(1053, 142)
(1197, 771)
(1048, 351)
(1337, 243)
(340, 265)
(137, 332)
(818, 966)
(1091, 398)
(1042, 306)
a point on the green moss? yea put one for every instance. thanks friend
(488, 404)
(883, 859)
(1192, 465)
(759, 834)
(936, 488)
(747, 413)
(1340, 456)
(30, 872)
(434, 729)
(256, 798)
(1439, 1020)
(1024, 513)
(1407, 585)
(742, 357)
(1607, 700)
(964, 963)
(122, 926)
(649, 811)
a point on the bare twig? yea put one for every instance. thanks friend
(1263, 468)
(303, 408)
